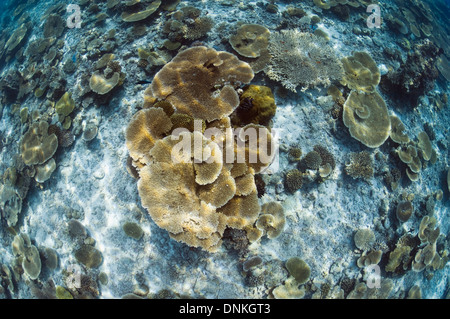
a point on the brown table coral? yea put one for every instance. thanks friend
(174, 200)
(367, 118)
(200, 82)
(198, 178)
(36, 145)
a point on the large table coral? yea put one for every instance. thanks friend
(200, 82)
(197, 180)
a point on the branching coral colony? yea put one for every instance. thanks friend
(197, 180)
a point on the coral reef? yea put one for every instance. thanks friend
(44, 171)
(180, 120)
(298, 269)
(196, 193)
(187, 24)
(424, 144)
(312, 160)
(62, 293)
(257, 106)
(294, 286)
(89, 256)
(10, 204)
(317, 165)
(328, 162)
(416, 155)
(133, 230)
(290, 290)
(16, 41)
(398, 134)
(372, 257)
(209, 227)
(415, 292)
(65, 136)
(64, 106)
(252, 262)
(136, 150)
(138, 11)
(360, 165)
(418, 253)
(294, 154)
(362, 291)
(271, 220)
(293, 180)
(361, 72)
(427, 231)
(416, 75)
(101, 85)
(364, 239)
(144, 129)
(302, 59)
(367, 118)
(448, 179)
(200, 82)
(250, 40)
(404, 211)
(201, 225)
(427, 257)
(27, 255)
(54, 26)
(36, 145)
(107, 75)
(90, 132)
(399, 258)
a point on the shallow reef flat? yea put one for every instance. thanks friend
(336, 184)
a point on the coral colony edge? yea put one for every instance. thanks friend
(224, 149)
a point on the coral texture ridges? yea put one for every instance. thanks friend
(302, 59)
(367, 117)
(200, 82)
(194, 179)
(37, 146)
